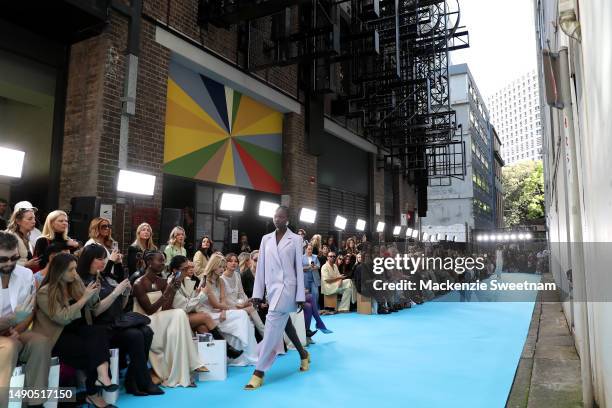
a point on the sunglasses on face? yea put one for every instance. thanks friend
(106, 226)
(254, 259)
(5, 259)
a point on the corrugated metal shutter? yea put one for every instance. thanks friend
(332, 202)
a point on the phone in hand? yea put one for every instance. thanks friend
(177, 275)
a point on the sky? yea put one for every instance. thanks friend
(502, 41)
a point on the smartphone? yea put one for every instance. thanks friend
(177, 275)
(115, 246)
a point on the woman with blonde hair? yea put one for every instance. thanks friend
(54, 230)
(176, 244)
(202, 255)
(233, 322)
(234, 292)
(142, 243)
(66, 308)
(315, 241)
(21, 223)
(100, 234)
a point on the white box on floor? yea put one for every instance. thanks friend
(297, 319)
(112, 397)
(213, 355)
(17, 383)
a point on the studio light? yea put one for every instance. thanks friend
(506, 237)
(485, 237)
(267, 209)
(340, 222)
(361, 224)
(11, 162)
(396, 230)
(440, 237)
(455, 238)
(415, 234)
(408, 232)
(513, 237)
(500, 237)
(528, 235)
(425, 236)
(232, 202)
(521, 236)
(308, 216)
(136, 183)
(478, 237)
(380, 227)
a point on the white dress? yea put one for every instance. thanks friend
(237, 329)
(234, 293)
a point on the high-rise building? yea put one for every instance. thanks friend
(515, 113)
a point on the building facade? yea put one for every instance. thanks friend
(515, 112)
(150, 88)
(470, 203)
(575, 67)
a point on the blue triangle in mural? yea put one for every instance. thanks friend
(217, 94)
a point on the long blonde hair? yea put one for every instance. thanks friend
(172, 239)
(55, 284)
(48, 231)
(94, 231)
(315, 241)
(150, 244)
(215, 262)
(243, 261)
(18, 216)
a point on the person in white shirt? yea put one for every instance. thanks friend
(332, 282)
(17, 343)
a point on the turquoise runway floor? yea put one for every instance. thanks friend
(439, 354)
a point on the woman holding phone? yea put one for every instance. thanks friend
(130, 335)
(100, 233)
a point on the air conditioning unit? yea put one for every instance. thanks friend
(569, 18)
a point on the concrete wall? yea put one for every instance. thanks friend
(591, 62)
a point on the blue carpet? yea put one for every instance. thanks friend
(439, 354)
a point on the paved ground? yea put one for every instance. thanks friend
(548, 374)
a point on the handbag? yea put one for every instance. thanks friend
(131, 319)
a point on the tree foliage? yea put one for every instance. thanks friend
(523, 185)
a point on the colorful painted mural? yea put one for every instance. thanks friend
(217, 134)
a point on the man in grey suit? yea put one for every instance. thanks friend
(281, 277)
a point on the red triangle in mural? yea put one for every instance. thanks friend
(260, 178)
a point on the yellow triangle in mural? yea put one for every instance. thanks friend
(178, 116)
(273, 123)
(180, 141)
(177, 95)
(250, 112)
(226, 175)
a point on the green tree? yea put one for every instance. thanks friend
(523, 192)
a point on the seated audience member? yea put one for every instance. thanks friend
(332, 282)
(173, 354)
(100, 234)
(232, 321)
(244, 243)
(50, 252)
(142, 243)
(4, 213)
(54, 230)
(17, 343)
(201, 257)
(124, 330)
(323, 254)
(247, 274)
(315, 241)
(176, 244)
(189, 296)
(22, 223)
(302, 233)
(234, 293)
(65, 316)
(312, 277)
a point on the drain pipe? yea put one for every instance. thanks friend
(579, 278)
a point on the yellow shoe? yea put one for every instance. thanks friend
(254, 383)
(305, 363)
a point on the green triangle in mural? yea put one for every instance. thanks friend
(269, 160)
(190, 164)
(235, 105)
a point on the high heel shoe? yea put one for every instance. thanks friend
(107, 388)
(254, 383)
(91, 402)
(232, 353)
(305, 363)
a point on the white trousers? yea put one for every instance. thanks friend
(273, 335)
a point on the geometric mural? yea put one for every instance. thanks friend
(217, 134)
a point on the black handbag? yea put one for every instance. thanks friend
(131, 319)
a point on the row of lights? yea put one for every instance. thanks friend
(504, 237)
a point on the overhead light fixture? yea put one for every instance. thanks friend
(485, 237)
(396, 230)
(521, 236)
(513, 237)
(232, 202)
(360, 225)
(506, 237)
(340, 222)
(415, 234)
(500, 237)
(440, 237)
(267, 209)
(136, 183)
(380, 227)
(425, 236)
(308, 216)
(11, 162)
(408, 232)
(528, 235)
(479, 237)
